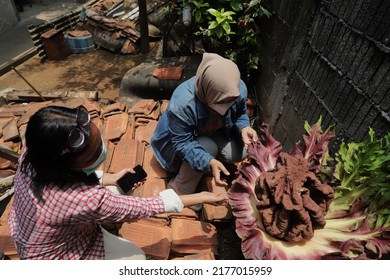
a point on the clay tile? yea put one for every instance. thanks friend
(168, 72)
(4, 121)
(153, 236)
(204, 255)
(91, 106)
(71, 102)
(13, 110)
(143, 106)
(7, 244)
(110, 152)
(187, 213)
(163, 106)
(150, 128)
(139, 132)
(113, 108)
(10, 130)
(191, 237)
(127, 154)
(152, 166)
(116, 126)
(214, 213)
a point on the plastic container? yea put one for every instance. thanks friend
(81, 44)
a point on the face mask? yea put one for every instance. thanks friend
(92, 168)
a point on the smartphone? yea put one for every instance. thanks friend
(127, 181)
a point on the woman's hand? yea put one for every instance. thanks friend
(110, 179)
(216, 168)
(214, 198)
(204, 197)
(248, 134)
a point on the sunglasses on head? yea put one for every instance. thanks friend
(78, 136)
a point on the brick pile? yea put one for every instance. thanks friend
(127, 132)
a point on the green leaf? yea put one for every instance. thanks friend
(214, 12)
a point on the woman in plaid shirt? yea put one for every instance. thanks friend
(61, 200)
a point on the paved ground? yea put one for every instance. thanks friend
(100, 70)
(17, 41)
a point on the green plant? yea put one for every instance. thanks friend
(230, 28)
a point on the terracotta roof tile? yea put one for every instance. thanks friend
(139, 132)
(191, 237)
(115, 126)
(187, 213)
(163, 106)
(127, 153)
(204, 255)
(214, 212)
(10, 130)
(152, 235)
(151, 187)
(168, 72)
(144, 106)
(7, 244)
(110, 152)
(113, 108)
(152, 166)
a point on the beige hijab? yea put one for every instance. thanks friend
(217, 82)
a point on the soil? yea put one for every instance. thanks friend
(99, 70)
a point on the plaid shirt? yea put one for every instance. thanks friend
(67, 225)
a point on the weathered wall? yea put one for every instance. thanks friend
(329, 59)
(8, 15)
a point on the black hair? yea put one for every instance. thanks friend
(46, 139)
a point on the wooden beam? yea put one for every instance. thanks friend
(143, 22)
(8, 154)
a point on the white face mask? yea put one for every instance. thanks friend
(93, 167)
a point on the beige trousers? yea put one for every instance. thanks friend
(118, 248)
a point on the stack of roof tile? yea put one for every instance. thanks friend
(127, 132)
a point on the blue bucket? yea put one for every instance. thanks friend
(81, 44)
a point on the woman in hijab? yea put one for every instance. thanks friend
(205, 124)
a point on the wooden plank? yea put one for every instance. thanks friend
(8, 154)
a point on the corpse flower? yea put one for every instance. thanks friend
(285, 208)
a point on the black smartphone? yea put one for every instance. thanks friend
(127, 181)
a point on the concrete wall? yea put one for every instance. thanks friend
(330, 59)
(8, 15)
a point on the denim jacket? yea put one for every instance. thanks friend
(174, 138)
